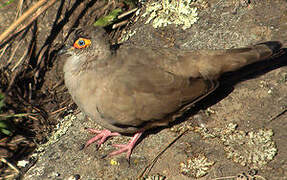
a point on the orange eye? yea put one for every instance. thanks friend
(82, 43)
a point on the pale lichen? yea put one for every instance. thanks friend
(126, 35)
(177, 12)
(180, 128)
(61, 129)
(196, 166)
(254, 149)
(22, 163)
(153, 177)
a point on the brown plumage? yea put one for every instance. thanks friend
(131, 90)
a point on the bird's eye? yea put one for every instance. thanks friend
(82, 43)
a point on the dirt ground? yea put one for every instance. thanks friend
(238, 131)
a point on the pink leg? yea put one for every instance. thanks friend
(126, 147)
(102, 136)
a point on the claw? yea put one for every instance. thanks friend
(101, 137)
(126, 147)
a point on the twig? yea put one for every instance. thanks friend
(3, 50)
(261, 177)
(32, 117)
(123, 15)
(14, 51)
(247, 177)
(30, 91)
(8, 177)
(36, 15)
(14, 115)
(41, 54)
(64, 102)
(278, 115)
(20, 60)
(57, 85)
(15, 24)
(21, 139)
(10, 165)
(61, 109)
(19, 9)
(148, 168)
(3, 139)
(120, 24)
(127, 13)
(226, 177)
(39, 61)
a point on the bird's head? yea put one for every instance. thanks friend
(87, 42)
(86, 46)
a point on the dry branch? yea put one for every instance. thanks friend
(22, 18)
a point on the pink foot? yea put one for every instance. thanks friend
(126, 147)
(102, 136)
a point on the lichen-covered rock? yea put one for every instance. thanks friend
(175, 12)
(253, 148)
(196, 166)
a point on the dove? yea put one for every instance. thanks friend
(132, 89)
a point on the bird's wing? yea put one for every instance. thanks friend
(138, 93)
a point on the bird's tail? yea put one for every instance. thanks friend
(232, 59)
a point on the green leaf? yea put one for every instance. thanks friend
(6, 132)
(6, 3)
(108, 19)
(2, 104)
(3, 124)
(4, 127)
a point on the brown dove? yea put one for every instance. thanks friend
(130, 90)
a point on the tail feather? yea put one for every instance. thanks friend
(275, 46)
(233, 59)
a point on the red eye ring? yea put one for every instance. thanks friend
(82, 43)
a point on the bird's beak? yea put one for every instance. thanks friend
(66, 50)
